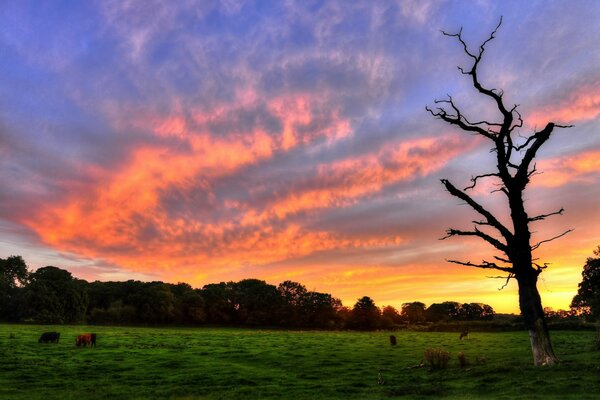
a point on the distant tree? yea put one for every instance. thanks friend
(514, 169)
(293, 294)
(155, 303)
(13, 276)
(220, 303)
(587, 299)
(320, 310)
(54, 296)
(560, 314)
(445, 311)
(390, 317)
(256, 302)
(190, 305)
(414, 312)
(475, 311)
(365, 314)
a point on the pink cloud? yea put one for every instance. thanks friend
(583, 104)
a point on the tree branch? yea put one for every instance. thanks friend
(535, 246)
(490, 219)
(491, 240)
(508, 278)
(474, 179)
(457, 119)
(544, 216)
(484, 265)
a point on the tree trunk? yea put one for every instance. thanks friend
(535, 322)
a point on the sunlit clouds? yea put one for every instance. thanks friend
(205, 142)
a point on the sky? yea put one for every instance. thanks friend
(207, 141)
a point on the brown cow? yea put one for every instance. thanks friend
(464, 334)
(84, 339)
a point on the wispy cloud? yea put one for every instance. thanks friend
(203, 141)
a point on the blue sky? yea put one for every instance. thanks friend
(207, 141)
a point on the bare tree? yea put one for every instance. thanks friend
(515, 167)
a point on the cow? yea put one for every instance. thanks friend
(464, 334)
(49, 337)
(392, 340)
(85, 340)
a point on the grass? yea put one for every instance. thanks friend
(206, 363)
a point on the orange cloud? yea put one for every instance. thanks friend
(119, 217)
(343, 183)
(573, 168)
(581, 105)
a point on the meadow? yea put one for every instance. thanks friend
(213, 363)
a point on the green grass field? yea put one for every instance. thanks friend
(198, 363)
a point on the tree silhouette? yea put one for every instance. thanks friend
(365, 314)
(414, 312)
(587, 298)
(514, 168)
(13, 276)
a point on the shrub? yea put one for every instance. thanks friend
(437, 358)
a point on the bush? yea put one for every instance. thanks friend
(437, 358)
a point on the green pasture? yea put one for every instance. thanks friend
(206, 363)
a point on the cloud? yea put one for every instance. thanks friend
(581, 168)
(204, 141)
(579, 105)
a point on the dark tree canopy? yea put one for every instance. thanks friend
(413, 312)
(587, 299)
(365, 314)
(13, 275)
(53, 295)
(445, 311)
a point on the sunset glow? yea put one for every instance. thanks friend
(208, 142)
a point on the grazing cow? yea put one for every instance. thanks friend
(464, 334)
(93, 339)
(393, 340)
(84, 340)
(49, 337)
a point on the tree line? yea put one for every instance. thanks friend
(51, 295)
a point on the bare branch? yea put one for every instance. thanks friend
(535, 246)
(457, 118)
(519, 118)
(460, 39)
(540, 268)
(490, 219)
(491, 240)
(492, 36)
(504, 260)
(508, 278)
(484, 265)
(544, 216)
(539, 138)
(474, 179)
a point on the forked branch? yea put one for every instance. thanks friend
(491, 240)
(489, 217)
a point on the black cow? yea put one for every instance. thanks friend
(49, 337)
(392, 340)
(93, 339)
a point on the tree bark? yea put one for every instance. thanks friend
(535, 321)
